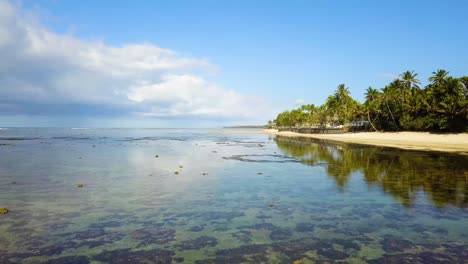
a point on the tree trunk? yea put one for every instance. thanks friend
(391, 114)
(368, 117)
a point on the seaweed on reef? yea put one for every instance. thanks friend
(90, 233)
(68, 260)
(243, 236)
(391, 244)
(305, 227)
(280, 234)
(417, 258)
(197, 243)
(242, 254)
(126, 256)
(147, 236)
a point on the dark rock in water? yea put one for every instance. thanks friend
(196, 228)
(295, 249)
(68, 260)
(126, 256)
(434, 257)
(156, 156)
(108, 239)
(392, 244)
(327, 250)
(80, 185)
(347, 244)
(280, 234)
(50, 250)
(148, 236)
(179, 259)
(90, 233)
(197, 243)
(8, 258)
(176, 172)
(305, 227)
(397, 259)
(457, 250)
(243, 236)
(242, 254)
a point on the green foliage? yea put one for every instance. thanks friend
(441, 106)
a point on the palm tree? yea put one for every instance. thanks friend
(372, 97)
(387, 95)
(439, 77)
(343, 97)
(409, 79)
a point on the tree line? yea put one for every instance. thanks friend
(402, 105)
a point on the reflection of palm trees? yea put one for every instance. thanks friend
(402, 174)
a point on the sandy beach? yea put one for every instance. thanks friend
(456, 143)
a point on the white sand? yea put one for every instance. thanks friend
(404, 140)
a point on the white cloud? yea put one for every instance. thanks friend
(299, 102)
(40, 66)
(193, 96)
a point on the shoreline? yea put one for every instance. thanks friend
(421, 141)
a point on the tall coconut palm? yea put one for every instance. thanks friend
(372, 103)
(409, 79)
(387, 93)
(439, 77)
(343, 97)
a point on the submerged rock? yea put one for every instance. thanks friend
(280, 234)
(305, 227)
(179, 259)
(80, 185)
(392, 244)
(242, 254)
(148, 236)
(196, 228)
(243, 236)
(68, 260)
(197, 243)
(125, 256)
(176, 172)
(90, 233)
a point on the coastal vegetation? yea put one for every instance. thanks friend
(402, 105)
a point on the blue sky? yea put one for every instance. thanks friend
(269, 53)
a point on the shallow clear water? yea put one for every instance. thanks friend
(234, 199)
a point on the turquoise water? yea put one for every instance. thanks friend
(234, 199)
